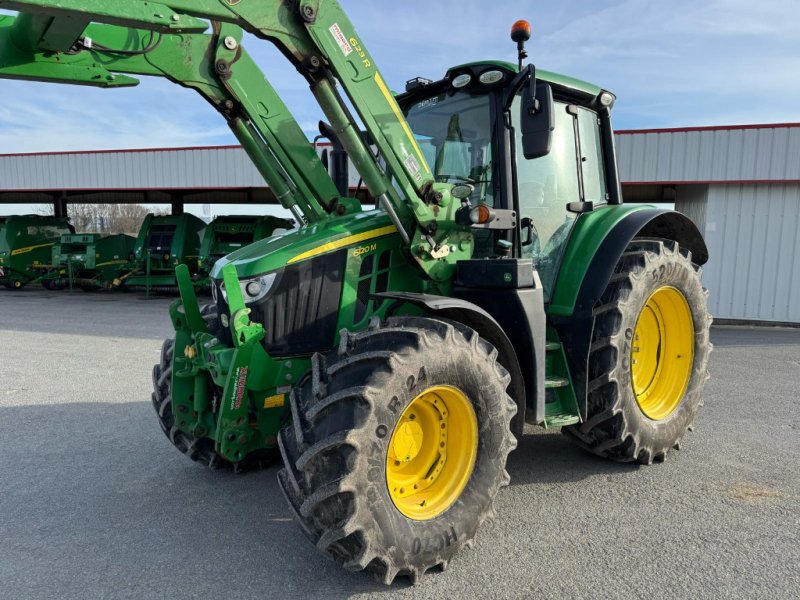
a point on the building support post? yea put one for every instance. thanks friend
(177, 205)
(60, 205)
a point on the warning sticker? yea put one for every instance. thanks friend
(412, 164)
(340, 38)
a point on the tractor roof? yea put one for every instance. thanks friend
(554, 78)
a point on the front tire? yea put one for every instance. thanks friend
(648, 362)
(388, 410)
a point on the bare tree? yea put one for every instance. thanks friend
(108, 218)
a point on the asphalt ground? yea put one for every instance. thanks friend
(95, 503)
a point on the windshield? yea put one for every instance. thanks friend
(455, 136)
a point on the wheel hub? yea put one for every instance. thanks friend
(662, 352)
(407, 441)
(432, 452)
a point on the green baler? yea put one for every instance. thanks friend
(26, 243)
(229, 233)
(90, 261)
(163, 243)
(391, 357)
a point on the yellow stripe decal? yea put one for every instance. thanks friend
(400, 117)
(111, 262)
(345, 241)
(29, 249)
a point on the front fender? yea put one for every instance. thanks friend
(475, 317)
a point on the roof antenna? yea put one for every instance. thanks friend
(521, 33)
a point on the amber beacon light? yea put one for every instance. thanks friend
(521, 33)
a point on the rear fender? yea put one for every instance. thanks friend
(571, 311)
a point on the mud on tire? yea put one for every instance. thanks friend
(335, 452)
(615, 426)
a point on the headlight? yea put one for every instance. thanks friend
(607, 99)
(253, 289)
(491, 77)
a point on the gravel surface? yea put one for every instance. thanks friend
(95, 503)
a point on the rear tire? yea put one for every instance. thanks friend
(200, 450)
(623, 423)
(336, 474)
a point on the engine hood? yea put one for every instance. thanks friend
(294, 246)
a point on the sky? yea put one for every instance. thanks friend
(671, 63)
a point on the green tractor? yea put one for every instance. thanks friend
(164, 242)
(91, 261)
(26, 243)
(227, 234)
(392, 356)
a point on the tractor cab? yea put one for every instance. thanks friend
(471, 127)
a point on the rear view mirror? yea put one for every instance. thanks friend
(536, 120)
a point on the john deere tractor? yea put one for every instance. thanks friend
(391, 356)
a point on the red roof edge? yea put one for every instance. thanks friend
(709, 128)
(131, 150)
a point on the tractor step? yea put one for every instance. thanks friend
(562, 420)
(561, 405)
(556, 382)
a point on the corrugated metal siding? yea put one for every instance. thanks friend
(207, 168)
(753, 237)
(762, 154)
(158, 169)
(692, 200)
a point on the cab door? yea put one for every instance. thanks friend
(572, 172)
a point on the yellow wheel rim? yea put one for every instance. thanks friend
(662, 352)
(432, 452)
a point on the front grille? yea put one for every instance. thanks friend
(300, 313)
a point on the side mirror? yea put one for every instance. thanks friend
(537, 119)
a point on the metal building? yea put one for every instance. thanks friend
(177, 176)
(741, 185)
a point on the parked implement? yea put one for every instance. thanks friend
(229, 233)
(90, 261)
(163, 243)
(391, 355)
(26, 243)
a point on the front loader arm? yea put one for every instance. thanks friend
(275, 142)
(321, 42)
